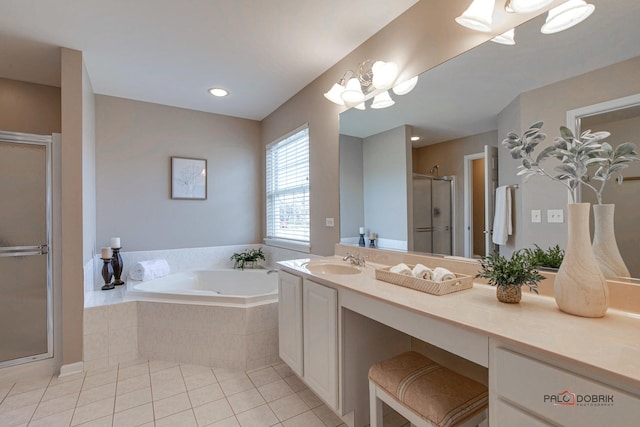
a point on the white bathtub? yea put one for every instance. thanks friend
(213, 287)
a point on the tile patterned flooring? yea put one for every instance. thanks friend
(167, 394)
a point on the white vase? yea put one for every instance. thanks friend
(605, 247)
(580, 287)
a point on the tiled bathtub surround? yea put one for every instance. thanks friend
(188, 259)
(229, 337)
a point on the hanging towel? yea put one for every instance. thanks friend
(441, 274)
(422, 272)
(401, 269)
(502, 227)
(150, 269)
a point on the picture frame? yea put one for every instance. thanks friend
(188, 178)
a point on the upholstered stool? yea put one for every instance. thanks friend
(425, 393)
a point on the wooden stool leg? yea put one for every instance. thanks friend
(375, 407)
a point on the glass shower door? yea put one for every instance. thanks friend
(25, 287)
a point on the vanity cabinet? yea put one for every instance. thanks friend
(290, 321)
(308, 333)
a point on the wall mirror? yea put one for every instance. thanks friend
(462, 106)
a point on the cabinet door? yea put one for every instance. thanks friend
(290, 320)
(320, 308)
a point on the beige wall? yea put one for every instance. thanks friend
(72, 205)
(134, 143)
(351, 186)
(550, 104)
(420, 39)
(29, 107)
(449, 156)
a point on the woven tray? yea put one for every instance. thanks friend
(461, 282)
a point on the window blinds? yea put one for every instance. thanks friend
(288, 188)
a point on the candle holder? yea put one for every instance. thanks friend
(107, 274)
(361, 243)
(372, 243)
(116, 262)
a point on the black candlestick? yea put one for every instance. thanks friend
(116, 262)
(372, 243)
(107, 274)
(361, 242)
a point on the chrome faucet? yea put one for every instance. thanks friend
(354, 259)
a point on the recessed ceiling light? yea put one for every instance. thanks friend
(216, 91)
(415, 138)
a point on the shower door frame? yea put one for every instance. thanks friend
(47, 142)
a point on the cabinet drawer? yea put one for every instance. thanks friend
(562, 396)
(506, 415)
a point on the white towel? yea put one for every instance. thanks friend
(441, 274)
(502, 226)
(422, 272)
(150, 269)
(401, 268)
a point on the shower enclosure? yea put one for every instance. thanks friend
(432, 214)
(25, 262)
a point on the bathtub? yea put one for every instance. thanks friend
(211, 287)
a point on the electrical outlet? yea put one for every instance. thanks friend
(536, 215)
(328, 222)
(555, 216)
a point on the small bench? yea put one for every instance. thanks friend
(425, 393)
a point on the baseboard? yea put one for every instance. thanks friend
(71, 369)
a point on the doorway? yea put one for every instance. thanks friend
(25, 259)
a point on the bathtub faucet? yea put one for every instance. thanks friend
(354, 260)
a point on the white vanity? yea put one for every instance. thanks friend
(544, 367)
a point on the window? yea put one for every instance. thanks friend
(288, 188)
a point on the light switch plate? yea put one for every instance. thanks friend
(328, 222)
(555, 216)
(536, 215)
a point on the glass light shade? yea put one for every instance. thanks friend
(566, 16)
(360, 107)
(478, 16)
(352, 94)
(382, 100)
(333, 94)
(406, 86)
(527, 6)
(384, 75)
(507, 38)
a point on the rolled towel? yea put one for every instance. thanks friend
(441, 274)
(150, 269)
(401, 268)
(422, 272)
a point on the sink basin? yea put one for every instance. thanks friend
(331, 268)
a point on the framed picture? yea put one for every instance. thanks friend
(188, 178)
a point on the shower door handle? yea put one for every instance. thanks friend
(12, 251)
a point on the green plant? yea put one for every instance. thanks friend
(517, 271)
(576, 156)
(242, 259)
(550, 258)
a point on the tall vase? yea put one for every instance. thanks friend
(580, 287)
(605, 247)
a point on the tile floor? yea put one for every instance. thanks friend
(166, 394)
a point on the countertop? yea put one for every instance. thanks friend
(609, 345)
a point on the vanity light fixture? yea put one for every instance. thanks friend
(373, 79)
(478, 16)
(566, 16)
(507, 38)
(216, 91)
(526, 6)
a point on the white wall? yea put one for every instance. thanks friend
(88, 167)
(134, 143)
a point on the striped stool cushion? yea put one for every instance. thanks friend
(437, 394)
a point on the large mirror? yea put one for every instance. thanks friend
(466, 106)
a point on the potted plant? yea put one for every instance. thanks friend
(509, 275)
(247, 259)
(550, 258)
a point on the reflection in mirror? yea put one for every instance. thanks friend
(623, 122)
(472, 101)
